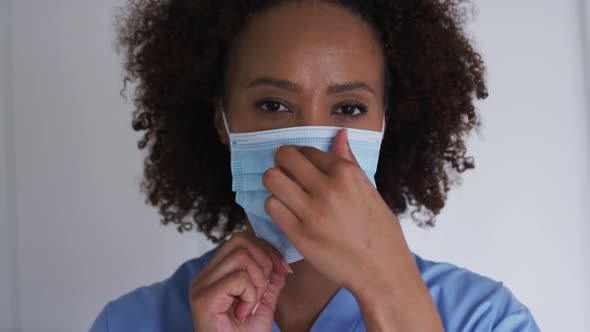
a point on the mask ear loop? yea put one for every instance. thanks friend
(224, 119)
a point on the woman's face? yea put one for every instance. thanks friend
(304, 64)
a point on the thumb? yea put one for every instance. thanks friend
(341, 146)
(268, 302)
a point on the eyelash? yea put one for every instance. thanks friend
(361, 107)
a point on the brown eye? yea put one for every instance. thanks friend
(352, 109)
(271, 106)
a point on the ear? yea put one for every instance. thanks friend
(218, 122)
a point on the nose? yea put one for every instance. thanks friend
(313, 116)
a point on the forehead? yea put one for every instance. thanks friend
(305, 40)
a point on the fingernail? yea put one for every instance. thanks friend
(256, 307)
(286, 266)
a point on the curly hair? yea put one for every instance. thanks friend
(175, 52)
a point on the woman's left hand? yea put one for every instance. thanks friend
(333, 215)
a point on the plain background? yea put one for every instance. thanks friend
(75, 232)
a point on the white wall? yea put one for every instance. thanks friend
(84, 233)
(85, 236)
(585, 27)
(522, 215)
(8, 258)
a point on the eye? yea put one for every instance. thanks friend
(271, 106)
(351, 109)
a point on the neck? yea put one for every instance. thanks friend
(304, 296)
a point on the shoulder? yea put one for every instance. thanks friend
(161, 306)
(468, 301)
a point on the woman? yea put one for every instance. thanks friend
(243, 101)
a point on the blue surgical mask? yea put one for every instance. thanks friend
(252, 153)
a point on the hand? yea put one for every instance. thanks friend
(333, 215)
(239, 287)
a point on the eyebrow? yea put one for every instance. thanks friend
(343, 87)
(291, 86)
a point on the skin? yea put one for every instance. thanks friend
(305, 56)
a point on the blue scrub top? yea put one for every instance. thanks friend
(466, 301)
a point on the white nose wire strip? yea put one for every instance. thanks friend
(367, 135)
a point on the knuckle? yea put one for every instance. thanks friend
(271, 252)
(345, 169)
(283, 153)
(331, 196)
(305, 150)
(267, 176)
(267, 263)
(241, 254)
(279, 154)
(267, 267)
(242, 277)
(264, 261)
(269, 204)
(320, 217)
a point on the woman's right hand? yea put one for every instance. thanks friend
(239, 287)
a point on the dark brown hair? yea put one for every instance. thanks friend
(175, 53)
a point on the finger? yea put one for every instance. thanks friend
(298, 167)
(239, 259)
(268, 304)
(287, 191)
(221, 294)
(341, 146)
(322, 160)
(284, 217)
(279, 263)
(241, 239)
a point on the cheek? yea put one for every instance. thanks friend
(242, 119)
